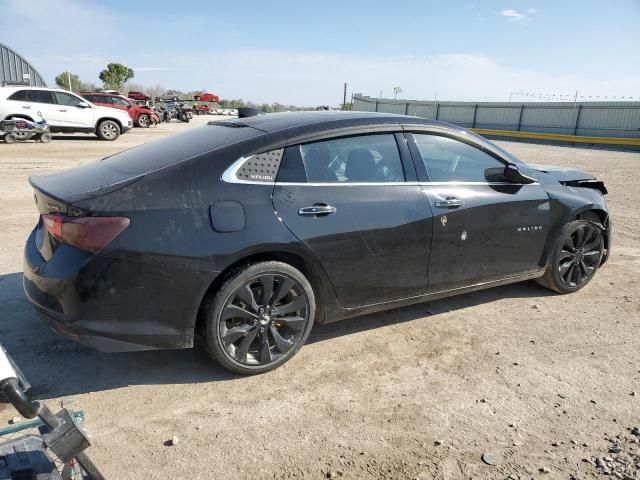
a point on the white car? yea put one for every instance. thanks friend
(64, 111)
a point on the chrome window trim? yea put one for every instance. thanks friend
(229, 176)
(382, 184)
(347, 184)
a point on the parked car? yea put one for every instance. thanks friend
(201, 109)
(64, 111)
(206, 97)
(141, 115)
(138, 96)
(245, 232)
(170, 96)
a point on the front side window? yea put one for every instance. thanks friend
(449, 160)
(120, 101)
(40, 96)
(67, 99)
(366, 158)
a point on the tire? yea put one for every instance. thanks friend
(9, 138)
(239, 320)
(108, 130)
(45, 137)
(576, 257)
(144, 121)
(197, 98)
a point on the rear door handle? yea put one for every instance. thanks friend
(26, 107)
(314, 210)
(449, 202)
(62, 110)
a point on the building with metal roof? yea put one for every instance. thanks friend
(15, 69)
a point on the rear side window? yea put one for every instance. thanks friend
(359, 159)
(449, 160)
(40, 96)
(67, 99)
(20, 95)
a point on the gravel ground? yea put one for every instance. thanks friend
(542, 384)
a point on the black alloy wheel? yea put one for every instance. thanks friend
(576, 257)
(260, 318)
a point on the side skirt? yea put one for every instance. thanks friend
(333, 315)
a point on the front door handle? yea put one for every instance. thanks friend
(62, 110)
(26, 107)
(317, 210)
(449, 202)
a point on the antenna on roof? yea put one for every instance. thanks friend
(245, 112)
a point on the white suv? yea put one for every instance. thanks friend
(63, 111)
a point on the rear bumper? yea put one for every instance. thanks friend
(112, 304)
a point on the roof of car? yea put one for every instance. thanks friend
(320, 120)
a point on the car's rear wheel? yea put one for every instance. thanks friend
(260, 317)
(144, 121)
(108, 130)
(576, 257)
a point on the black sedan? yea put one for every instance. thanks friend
(245, 232)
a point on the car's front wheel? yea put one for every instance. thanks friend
(260, 317)
(144, 120)
(108, 130)
(576, 257)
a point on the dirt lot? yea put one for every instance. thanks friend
(543, 380)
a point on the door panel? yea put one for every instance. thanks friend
(374, 247)
(485, 228)
(497, 231)
(70, 114)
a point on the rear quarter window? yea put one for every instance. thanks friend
(20, 95)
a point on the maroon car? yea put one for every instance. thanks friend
(141, 115)
(138, 96)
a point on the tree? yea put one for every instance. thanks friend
(115, 76)
(62, 81)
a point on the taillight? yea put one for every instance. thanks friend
(91, 234)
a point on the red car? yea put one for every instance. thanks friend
(141, 115)
(138, 96)
(206, 97)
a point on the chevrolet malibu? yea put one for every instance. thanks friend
(244, 232)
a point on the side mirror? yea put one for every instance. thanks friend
(513, 174)
(82, 105)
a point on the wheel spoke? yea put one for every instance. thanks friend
(564, 267)
(293, 306)
(575, 274)
(265, 349)
(586, 269)
(293, 322)
(568, 273)
(267, 289)
(236, 333)
(243, 348)
(245, 294)
(283, 344)
(568, 243)
(233, 311)
(283, 288)
(579, 237)
(564, 254)
(592, 245)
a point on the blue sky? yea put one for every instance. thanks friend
(302, 52)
